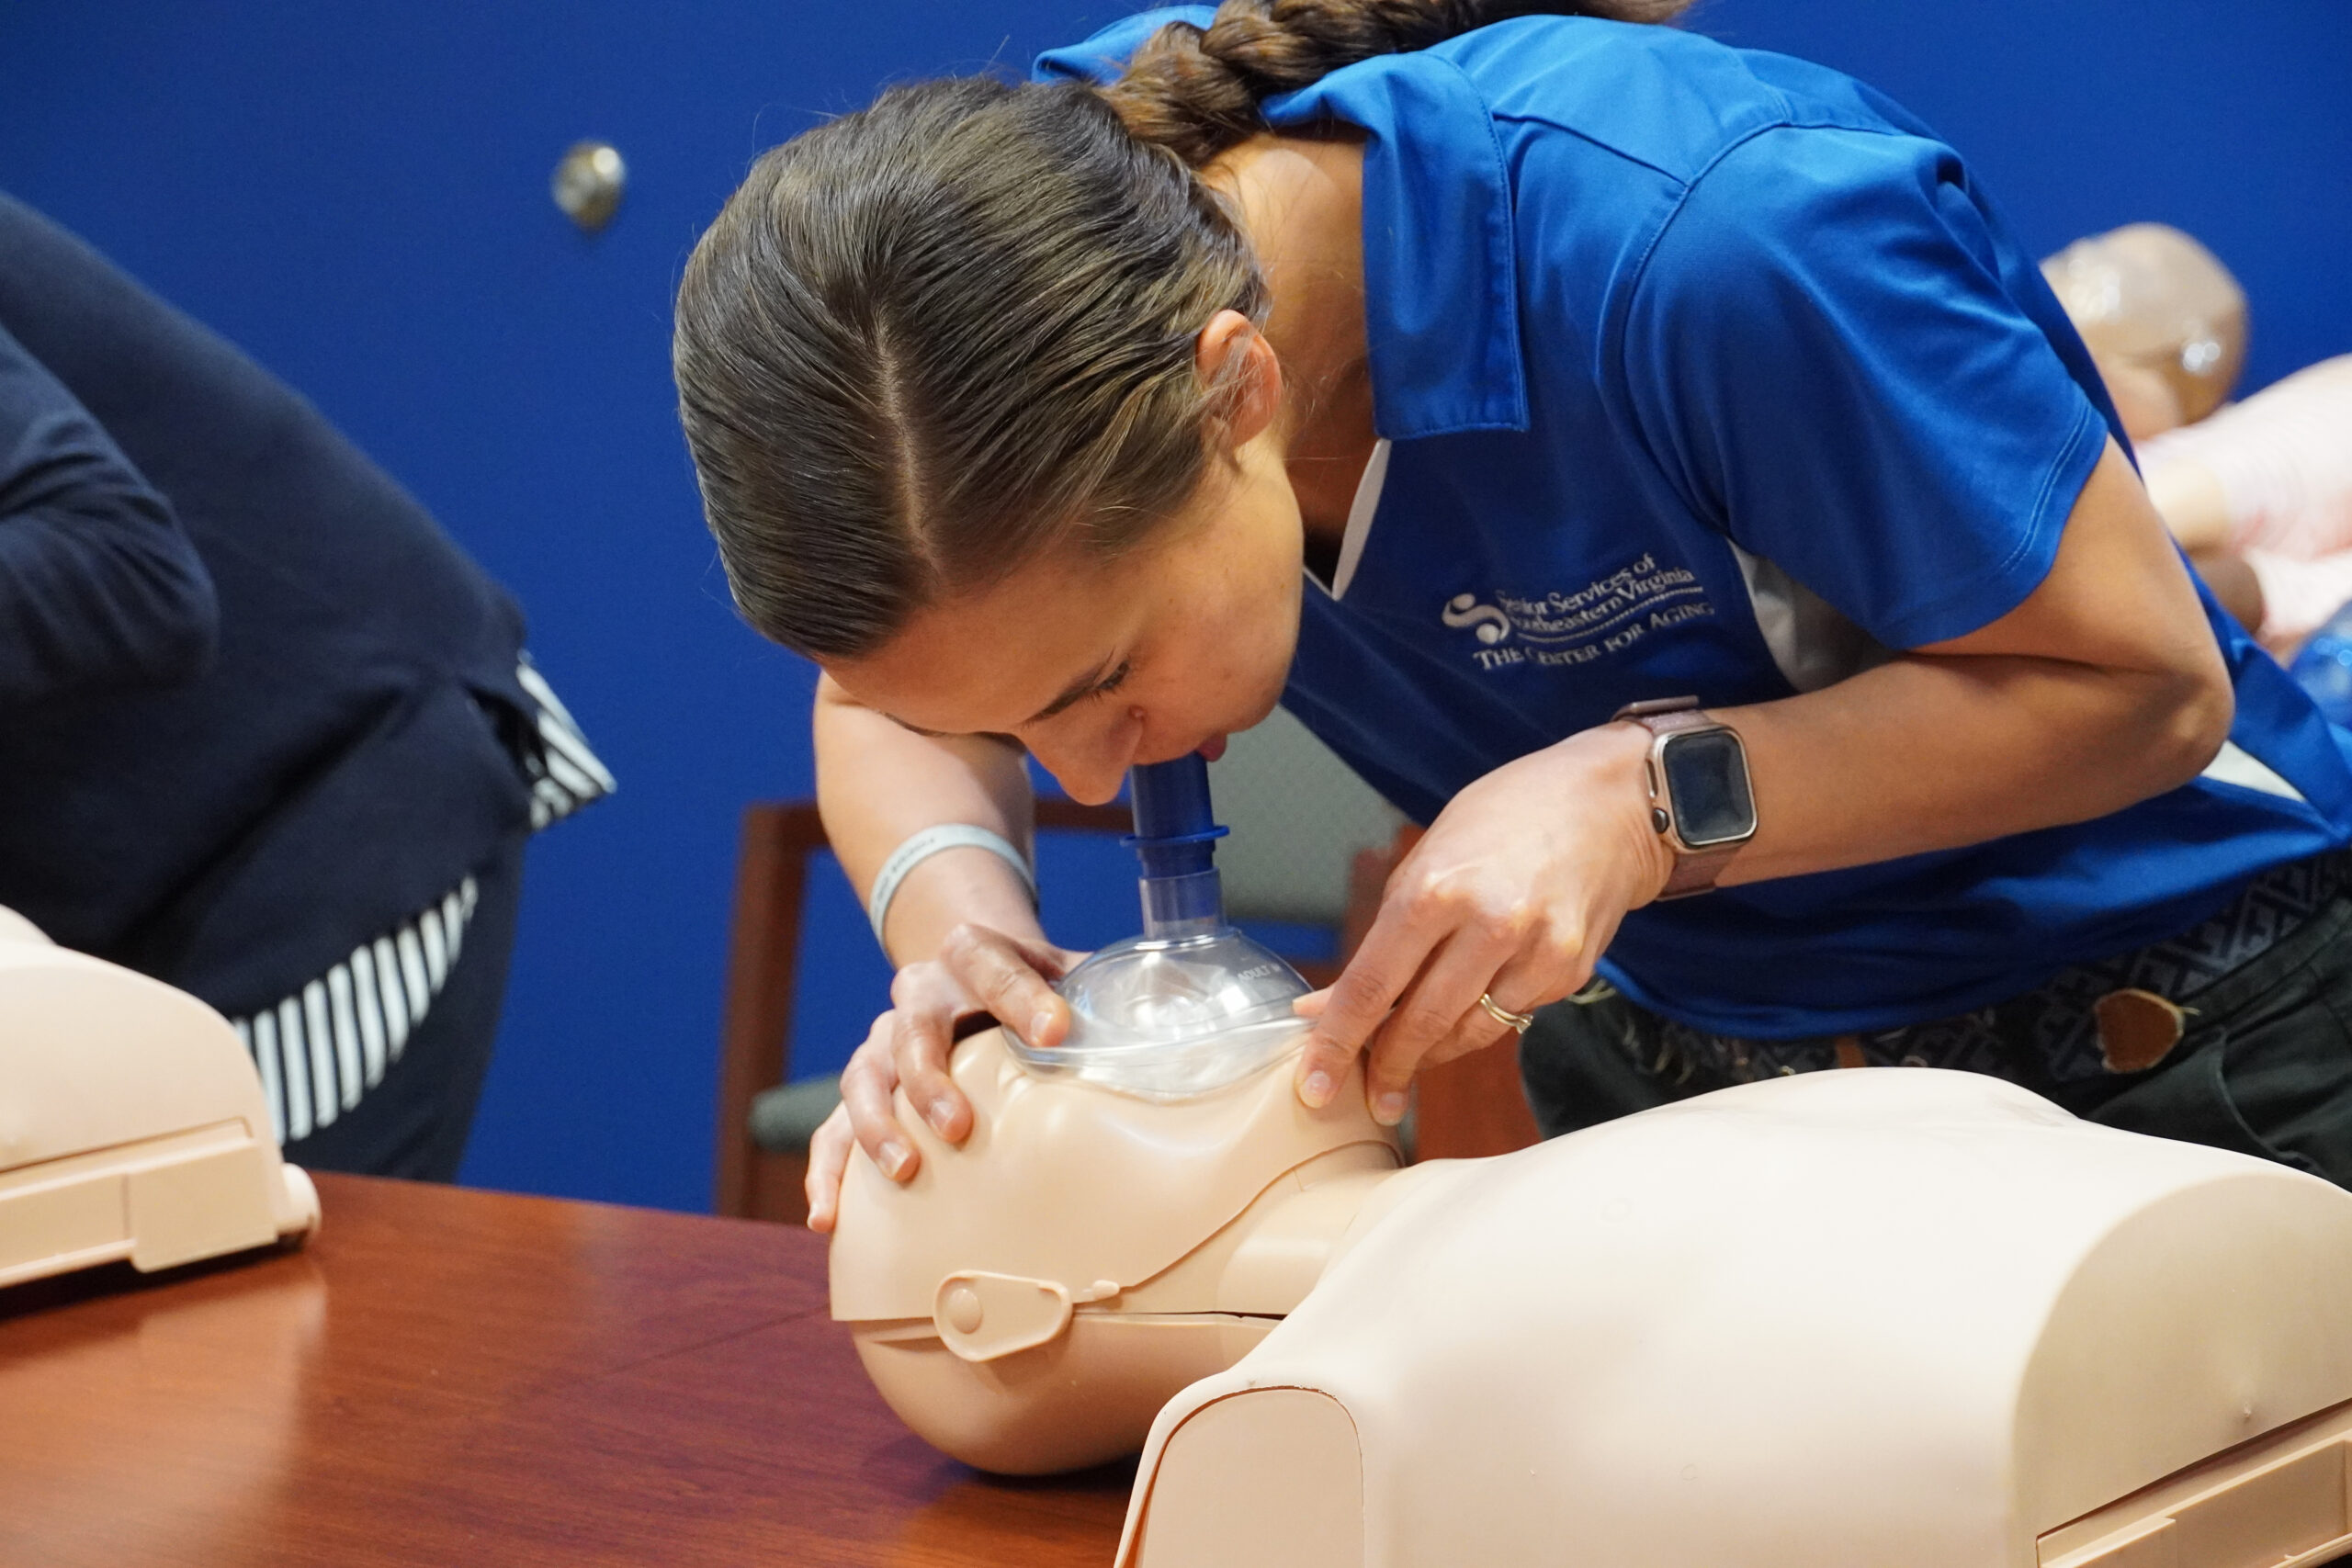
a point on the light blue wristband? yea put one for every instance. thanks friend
(921, 846)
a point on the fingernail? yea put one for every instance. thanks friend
(1038, 1025)
(1388, 1110)
(937, 1116)
(1316, 1090)
(895, 1160)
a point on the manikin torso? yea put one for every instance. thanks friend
(1872, 1317)
(1850, 1320)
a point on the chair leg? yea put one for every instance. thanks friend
(779, 1188)
(771, 872)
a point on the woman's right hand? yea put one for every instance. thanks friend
(978, 971)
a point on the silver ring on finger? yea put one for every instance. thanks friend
(1517, 1023)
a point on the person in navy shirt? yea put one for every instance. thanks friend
(266, 733)
(1586, 364)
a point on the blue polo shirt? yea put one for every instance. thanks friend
(1706, 371)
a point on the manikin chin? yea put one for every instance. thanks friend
(1871, 1318)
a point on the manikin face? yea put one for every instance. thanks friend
(2161, 315)
(1097, 665)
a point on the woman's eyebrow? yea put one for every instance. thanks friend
(1076, 689)
(1013, 740)
(919, 729)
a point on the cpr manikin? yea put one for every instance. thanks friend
(1869, 1318)
(2164, 318)
(2258, 492)
(132, 1126)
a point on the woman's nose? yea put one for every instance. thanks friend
(1092, 767)
(1087, 782)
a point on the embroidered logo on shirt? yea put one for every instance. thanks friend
(1606, 615)
(1464, 610)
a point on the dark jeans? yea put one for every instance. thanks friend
(414, 1124)
(2265, 1067)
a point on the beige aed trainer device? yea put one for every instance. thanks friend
(132, 1126)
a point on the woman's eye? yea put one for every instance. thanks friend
(1111, 682)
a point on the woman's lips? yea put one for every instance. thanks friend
(1212, 747)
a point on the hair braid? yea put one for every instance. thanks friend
(1196, 90)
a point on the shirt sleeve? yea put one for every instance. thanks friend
(1830, 354)
(99, 588)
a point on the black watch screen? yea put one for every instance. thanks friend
(1706, 778)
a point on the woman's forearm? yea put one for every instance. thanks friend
(1926, 755)
(878, 783)
(2104, 688)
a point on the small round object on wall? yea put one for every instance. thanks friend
(588, 184)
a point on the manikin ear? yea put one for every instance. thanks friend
(1245, 378)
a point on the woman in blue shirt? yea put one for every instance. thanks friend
(1585, 365)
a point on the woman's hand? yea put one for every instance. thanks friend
(978, 971)
(1515, 891)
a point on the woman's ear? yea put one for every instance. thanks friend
(1243, 376)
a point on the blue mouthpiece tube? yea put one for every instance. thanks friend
(1175, 840)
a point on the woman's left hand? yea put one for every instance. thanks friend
(1514, 892)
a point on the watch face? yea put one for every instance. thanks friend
(1706, 778)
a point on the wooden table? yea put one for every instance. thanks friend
(447, 1377)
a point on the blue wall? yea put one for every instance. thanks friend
(2231, 121)
(356, 193)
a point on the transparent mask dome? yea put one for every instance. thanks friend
(1173, 1019)
(1192, 1005)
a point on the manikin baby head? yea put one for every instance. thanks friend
(1031, 1298)
(2162, 316)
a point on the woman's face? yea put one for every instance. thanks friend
(1097, 665)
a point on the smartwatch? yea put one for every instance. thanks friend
(1701, 802)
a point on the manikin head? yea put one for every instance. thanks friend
(2164, 318)
(1134, 1206)
(983, 402)
(1034, 1296)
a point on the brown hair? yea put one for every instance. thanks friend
(1196, 90)
(928, 341)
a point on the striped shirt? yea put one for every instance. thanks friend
(324, 1046)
